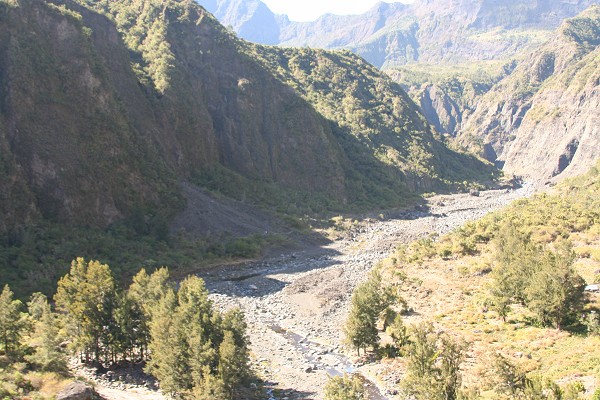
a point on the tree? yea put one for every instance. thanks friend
(369, 300)
(398, 332)
(542, 280)
(11, 322)
(143, 296)
(167, 357)
(46, 339)
(193, 350)
(555, 292)
(344, 388)
(506, 377)
(433, 370)
(233, 363)
(211, 387)
(515, 257)
(87, 294)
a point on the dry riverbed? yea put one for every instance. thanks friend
(296, 304)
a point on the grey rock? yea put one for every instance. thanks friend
(78, 390)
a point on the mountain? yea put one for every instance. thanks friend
(117, 117)
(427, 31)
(542, 120)
(251, 19)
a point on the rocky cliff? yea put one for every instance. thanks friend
(542, 121)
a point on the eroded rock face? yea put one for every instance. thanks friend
(542, 121)
(78, 390)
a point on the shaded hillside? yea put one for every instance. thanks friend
(370, 111)
(191, 102)
(427, 31)
(542, 121)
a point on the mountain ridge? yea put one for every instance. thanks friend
(395, 34)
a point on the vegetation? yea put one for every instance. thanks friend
(511, 284)
(434, 361)
(367, 108)
(369, 301)
(542, 280)
(344, 388)
(32, 259)
(193, 350)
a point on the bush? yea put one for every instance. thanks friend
(344, 388)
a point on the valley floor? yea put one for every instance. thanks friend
(296, 304)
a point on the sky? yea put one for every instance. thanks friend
(309, 10)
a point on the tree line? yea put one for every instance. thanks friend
(193, 350)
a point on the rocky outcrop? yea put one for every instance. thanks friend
(440, 109)
(78, 390)
(542, 121)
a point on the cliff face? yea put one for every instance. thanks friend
(85, 141)
(65, 131)
(542, 121)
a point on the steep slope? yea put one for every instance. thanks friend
(93, 143)
(371, 111)
(102, 119)
(427, 31)
(542, 121)
(448, 93)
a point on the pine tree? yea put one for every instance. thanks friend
(88, 296)
(46, 339)
(233, 363)
(167, 348)
(398, 332)
(434, 365)
(211, 387)
(143, 296)
(556, 292)
(11, 322)
(369, 300)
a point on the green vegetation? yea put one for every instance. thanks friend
(369, 301)
(368, 109)
(344, 388)
(585, 28)
(192, 349)
(509, 284)
(542, 280)
(434, 361)
(34, 258)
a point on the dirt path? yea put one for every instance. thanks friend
(296, 304)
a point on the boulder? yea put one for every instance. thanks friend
(78, 390)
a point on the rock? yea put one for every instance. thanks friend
(474, 192)
(308, 369)
(78, 390)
